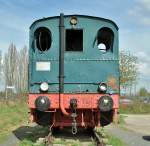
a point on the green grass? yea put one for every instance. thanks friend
(26, 143)
(71, 142)
(114, 141)
(63, 142)
(136, 108)
(122, 119)
(12, 114)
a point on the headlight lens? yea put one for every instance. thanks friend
(42, 103)
(102, 87)
(44, 86)
(73, 20)
(105, 103)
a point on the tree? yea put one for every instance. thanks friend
(128, 71)
(10, 66)
(1, 66)
(23, 70)
(143, 92)
(16, 68)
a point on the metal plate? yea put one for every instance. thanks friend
(43, 66)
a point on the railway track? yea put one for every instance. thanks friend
(98, 138)
(82, 138)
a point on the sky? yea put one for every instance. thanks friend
(132, 17)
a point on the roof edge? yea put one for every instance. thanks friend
(107, 20)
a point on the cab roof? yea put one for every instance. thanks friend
(87, 16)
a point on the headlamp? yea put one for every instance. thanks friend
(42, 103)
(73, 20)
(102, 87)
(105, 103)
(44, 86)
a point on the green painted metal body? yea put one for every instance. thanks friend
(83, 70)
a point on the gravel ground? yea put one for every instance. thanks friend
(131, 138)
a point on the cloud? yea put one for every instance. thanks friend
(141, 12)
(143, 56)
(143, 69)
(145, 4)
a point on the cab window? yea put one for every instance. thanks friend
(43, 39)
(105, 38)
(74, 40)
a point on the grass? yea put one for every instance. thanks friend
(26, 143)
(12, 115)
(122, 119)
(57, 141)
(136, 108)
(114, 141)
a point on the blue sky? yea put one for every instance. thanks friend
(132, 17)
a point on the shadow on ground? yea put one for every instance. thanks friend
(146, 137)
(66, 133)
(35, 132)
(30, 133)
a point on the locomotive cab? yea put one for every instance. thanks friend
(73, 71)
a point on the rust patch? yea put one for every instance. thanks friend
(112, 82)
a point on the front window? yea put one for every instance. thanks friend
(74, 40)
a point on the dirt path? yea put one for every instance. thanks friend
(138, 123)
(129, 137)
(136, 131)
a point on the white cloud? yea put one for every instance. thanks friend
(144, 61)
(141, 12)
(143, 57)
(144, 69)
(145, 4)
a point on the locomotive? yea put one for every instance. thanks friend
(73, 72)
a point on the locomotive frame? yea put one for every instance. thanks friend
(61, 95)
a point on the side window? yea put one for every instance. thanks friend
(43, 38)
(74, 40)
(105, 38)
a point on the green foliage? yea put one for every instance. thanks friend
(122, 119)
(128, 71)
(12, 113)
(143, 92)
(136, 108)
(114, 141)
(26, 143)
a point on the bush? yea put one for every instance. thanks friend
(136, 107)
